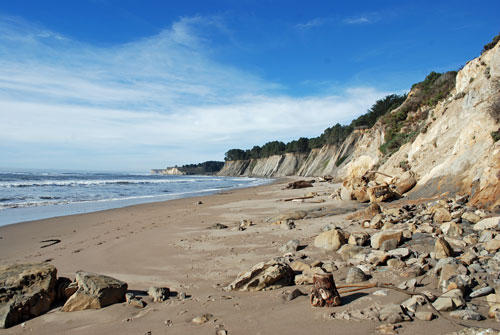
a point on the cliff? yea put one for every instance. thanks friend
(452, 145)
(168, 171)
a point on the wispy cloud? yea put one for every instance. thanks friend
(362, 19)
(316, 22)
(156, 101)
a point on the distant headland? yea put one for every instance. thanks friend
(205, 168)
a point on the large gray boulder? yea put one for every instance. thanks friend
(26, 291)
(95, 291)
(263, 276)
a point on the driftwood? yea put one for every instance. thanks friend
(52, 242)
(383, 174)
(324, 292)
(300, 184)
(299, 198)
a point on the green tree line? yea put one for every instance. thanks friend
(334, 135)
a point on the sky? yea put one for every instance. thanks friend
(129, 85)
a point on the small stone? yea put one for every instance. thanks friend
(182, 295)
(389, 245)
(159, 294)
(349, 251)
(219, 226)
(449, 301)
(451, 229)
(441, 215)
(201, 319)
(466, 314)
(388, 329)
(359, 238)
(380, 293)
(442, 249)
(424, 316)
(492, 246)
(377, 239)
(481, 292)
(291, 246)
(412, 272)
(289, 296)
(376, 222)
(400, 252)
(471, 217)
(356, 275)
(393, 313)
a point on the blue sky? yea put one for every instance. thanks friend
(133, 85)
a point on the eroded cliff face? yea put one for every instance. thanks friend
(454, 152)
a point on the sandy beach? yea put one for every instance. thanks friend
(171, 244)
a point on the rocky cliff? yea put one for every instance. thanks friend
(452, 148)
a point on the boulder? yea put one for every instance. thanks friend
(263, 276)
(442, 249)
(26, 291)
(380, 193)
(449, 301)
(406, 182)
(490, 223)
(348, 251)
(377, 239)
(441, 215)
(492, 245)
(494, 304)
(471, 217)
(359, 238)
(330, 240)
(95, 291)
(451, 229)
(356, 275)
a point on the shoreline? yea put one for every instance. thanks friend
(172, 244)
(10, 216)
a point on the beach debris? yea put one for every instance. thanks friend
(293, 215)
(26, 291)
(244, 224)
(220, 330)
(325, 178)
(286, 225)
(263, 276)
(201, 319)
(218, 226)
(324, 293)
(300, 198)
(289, 296)
(300, 184)
(158, 294)
(51, 242)
(330, 240)
(95, 291)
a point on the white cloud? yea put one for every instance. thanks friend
(316, 22)
(158, 95)
(362, 19)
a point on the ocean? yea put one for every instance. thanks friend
(26, 196)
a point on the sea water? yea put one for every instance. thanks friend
(26, 196)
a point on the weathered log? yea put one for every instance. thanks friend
(300, 184)
(324, 293)
(300, 198)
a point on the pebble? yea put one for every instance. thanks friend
(201, 319)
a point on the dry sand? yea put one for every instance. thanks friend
(169, 244)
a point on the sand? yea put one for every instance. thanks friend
(170, 244)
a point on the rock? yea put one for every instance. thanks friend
(330, 240)
(293, 215)
(412, 303)
(471, 217)
(400, 252)
(408, 284)
(359, 238)
(387, 329)
(26, 291)
(442, 249)
(380, 193)
(492, 246)
(425, 316)
(491, 223)
(468, 257)
(377, 239)
(263, 276)
(412, 272)
(449, 301)
(406, 182)
(389, 245)
(300, 266)
(356, 275)
(289, 296)
(201, 319)
(345, 194)
(481, 292)
(132, 300)
(466, 314)
(451, 229)
(441, 215)
(218, 226)
(95, 291)
(475, 331)
(159, 294)
(290, 246)
(376, 222)
(392, 313)
(307, 275)
(287, 225)
(494, 303)
(348, 251)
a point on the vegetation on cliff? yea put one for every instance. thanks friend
(334, 135)
(405, 123)
(208, 167)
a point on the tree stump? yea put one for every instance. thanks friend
(324, 291)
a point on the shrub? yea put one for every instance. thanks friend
(492, 44)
